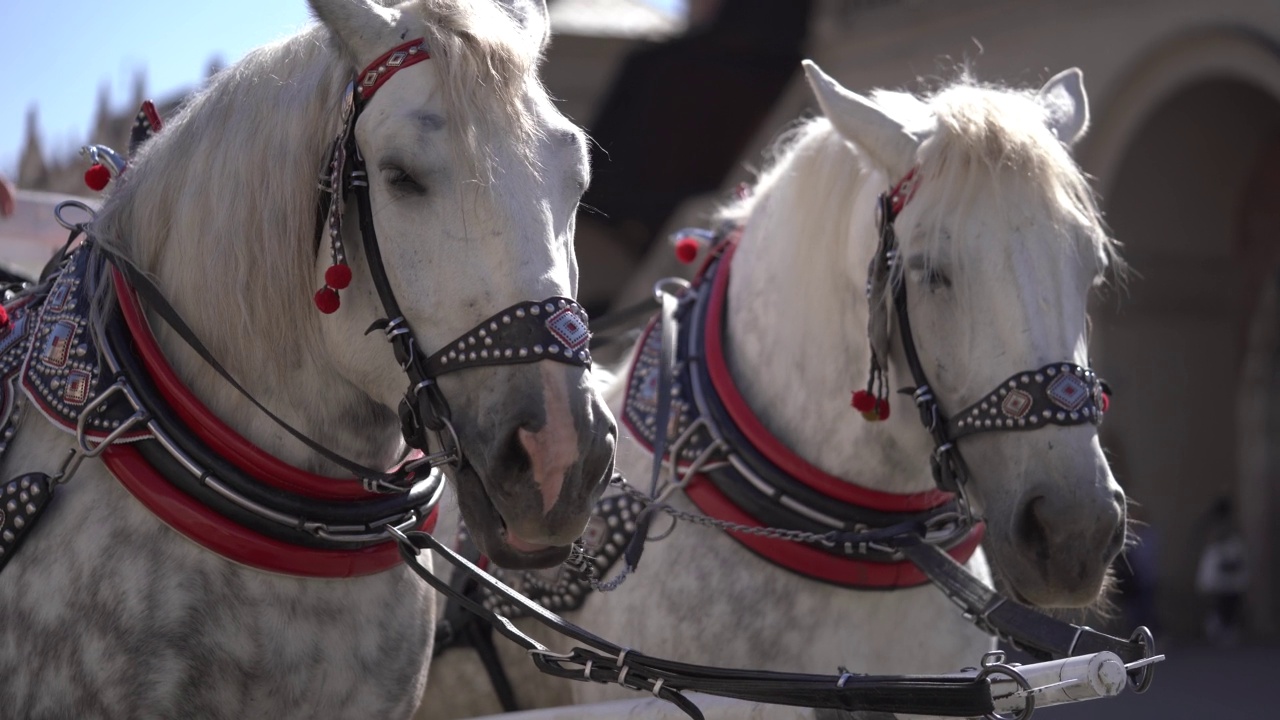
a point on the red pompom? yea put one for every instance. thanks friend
(863, 401)
(97, 176)
(1106, 402)
(327, 300)
(882, 408)
(4, 318)
(338, 276)
(687, 249)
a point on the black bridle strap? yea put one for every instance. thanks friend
(1044, 637)
(605, 662)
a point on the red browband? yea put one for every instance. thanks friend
(397, 58)
(204, 526)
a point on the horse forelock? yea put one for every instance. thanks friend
(221, 205)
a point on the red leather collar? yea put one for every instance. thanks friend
(799, 558)
(210, 529)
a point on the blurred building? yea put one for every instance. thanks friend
(1184, 146)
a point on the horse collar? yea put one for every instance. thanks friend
(112, 389)
(739, 472)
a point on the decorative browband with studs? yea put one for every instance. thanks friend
(551, 329)
(1056, 394)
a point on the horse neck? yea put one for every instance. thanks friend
(296, 384)
(797, 334)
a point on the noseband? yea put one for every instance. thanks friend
(551, 329)
(1060, 393)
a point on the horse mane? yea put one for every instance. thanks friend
(225, 198)
(975, 135)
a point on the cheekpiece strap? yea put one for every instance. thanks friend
(1056, 394)
(551, 329)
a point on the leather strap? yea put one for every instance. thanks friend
(603, 661)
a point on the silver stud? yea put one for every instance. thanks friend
(1075, 416)
(535, 310)
(568, 352)
(31, 509)
(471, 340)
(550, 307)
(1039, 377)
(444, 360)
(582, 355)
(19, 522)
(24, 496)
(507, 353)
(1022, 422)
(553, 348)
(523, 352)
(1051, 372)
(1062, 415)
(520, 312)
(1033, 419)
(1047, 414)
(537, 349)
(488, 342)
(462, 345)
(453, 353)
(1026, 379)
(1014, 383)
(484, 354)
(12, 506)
(472, 356)
(481, 332)
(7, 535)
(26, 483)
(506, 319)
(986, 423)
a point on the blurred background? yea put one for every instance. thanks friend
(682, 97)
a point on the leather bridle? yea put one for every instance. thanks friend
(1060, 393)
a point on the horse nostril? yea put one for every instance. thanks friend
(1030, 527)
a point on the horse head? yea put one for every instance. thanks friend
(999, 245)
(473, 181)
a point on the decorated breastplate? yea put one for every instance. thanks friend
(48, 347)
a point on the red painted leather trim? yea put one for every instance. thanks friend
(236, 543)
(764, 441)
(367, 91)
(813, 563)
(219, 436)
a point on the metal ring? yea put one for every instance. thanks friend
(1148, 642)
(61, 207)
(1000, 668)
(659, 288)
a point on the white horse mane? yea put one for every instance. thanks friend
(264, 125)
(976, 136)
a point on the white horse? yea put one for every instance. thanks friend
(1000, 244)
(472, 181)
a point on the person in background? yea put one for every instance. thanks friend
(1223, 575)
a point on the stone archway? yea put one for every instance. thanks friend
(1175, 342)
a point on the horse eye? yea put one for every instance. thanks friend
(401, 180)
(936, 280)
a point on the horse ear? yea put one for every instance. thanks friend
(364, 27)
(863, 123)
(1066, 105)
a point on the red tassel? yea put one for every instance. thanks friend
(4, 318)
(882, 408)
(97, 177)
(863, 401)
(338, 276)
(1106, 403)
(327, 300)
(687, 249)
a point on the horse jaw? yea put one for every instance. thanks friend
(863, 123)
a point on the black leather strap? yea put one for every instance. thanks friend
(603, 661)
(1038, 634)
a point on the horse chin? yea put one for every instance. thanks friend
(1029, 582)
(488, 529)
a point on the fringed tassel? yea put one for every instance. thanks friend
(873, 402)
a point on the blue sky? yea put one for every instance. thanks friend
(57, 56)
